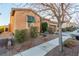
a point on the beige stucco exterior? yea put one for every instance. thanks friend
(68, 24)
(18, 19)
(51, 25)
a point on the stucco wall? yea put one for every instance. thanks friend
(20, 20)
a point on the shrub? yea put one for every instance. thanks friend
(1, 29)
(64, 30)
(21, 35)
(68, 29)
(69, 43)
(44, 26)
(33, 32)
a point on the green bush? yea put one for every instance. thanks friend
(21, 35)
(1, 29)
(69, 42)
(70, 29)
(33, 32)
(64, 29)
(44, 26)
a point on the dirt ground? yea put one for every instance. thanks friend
(29, 44)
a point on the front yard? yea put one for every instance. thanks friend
(19, 47)
(72, 51)
(29, 44)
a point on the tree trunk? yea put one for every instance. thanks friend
(60, 37)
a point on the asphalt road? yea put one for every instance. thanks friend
(3, 50)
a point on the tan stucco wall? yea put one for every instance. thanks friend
(11, 25)
(20, 20)
(67, 24)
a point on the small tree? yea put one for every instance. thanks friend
(44, 27)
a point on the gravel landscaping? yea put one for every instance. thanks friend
(74, 51)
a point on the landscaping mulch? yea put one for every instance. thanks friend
(74, 51)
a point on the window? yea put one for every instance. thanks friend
(31, 19)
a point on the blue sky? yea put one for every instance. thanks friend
(5, 9)
(5, 13)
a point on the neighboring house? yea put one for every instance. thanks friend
(46, 20)
(68, 24)
(52, 25)
(73, 24)
(22, 18)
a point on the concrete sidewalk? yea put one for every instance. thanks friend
(42, 49)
